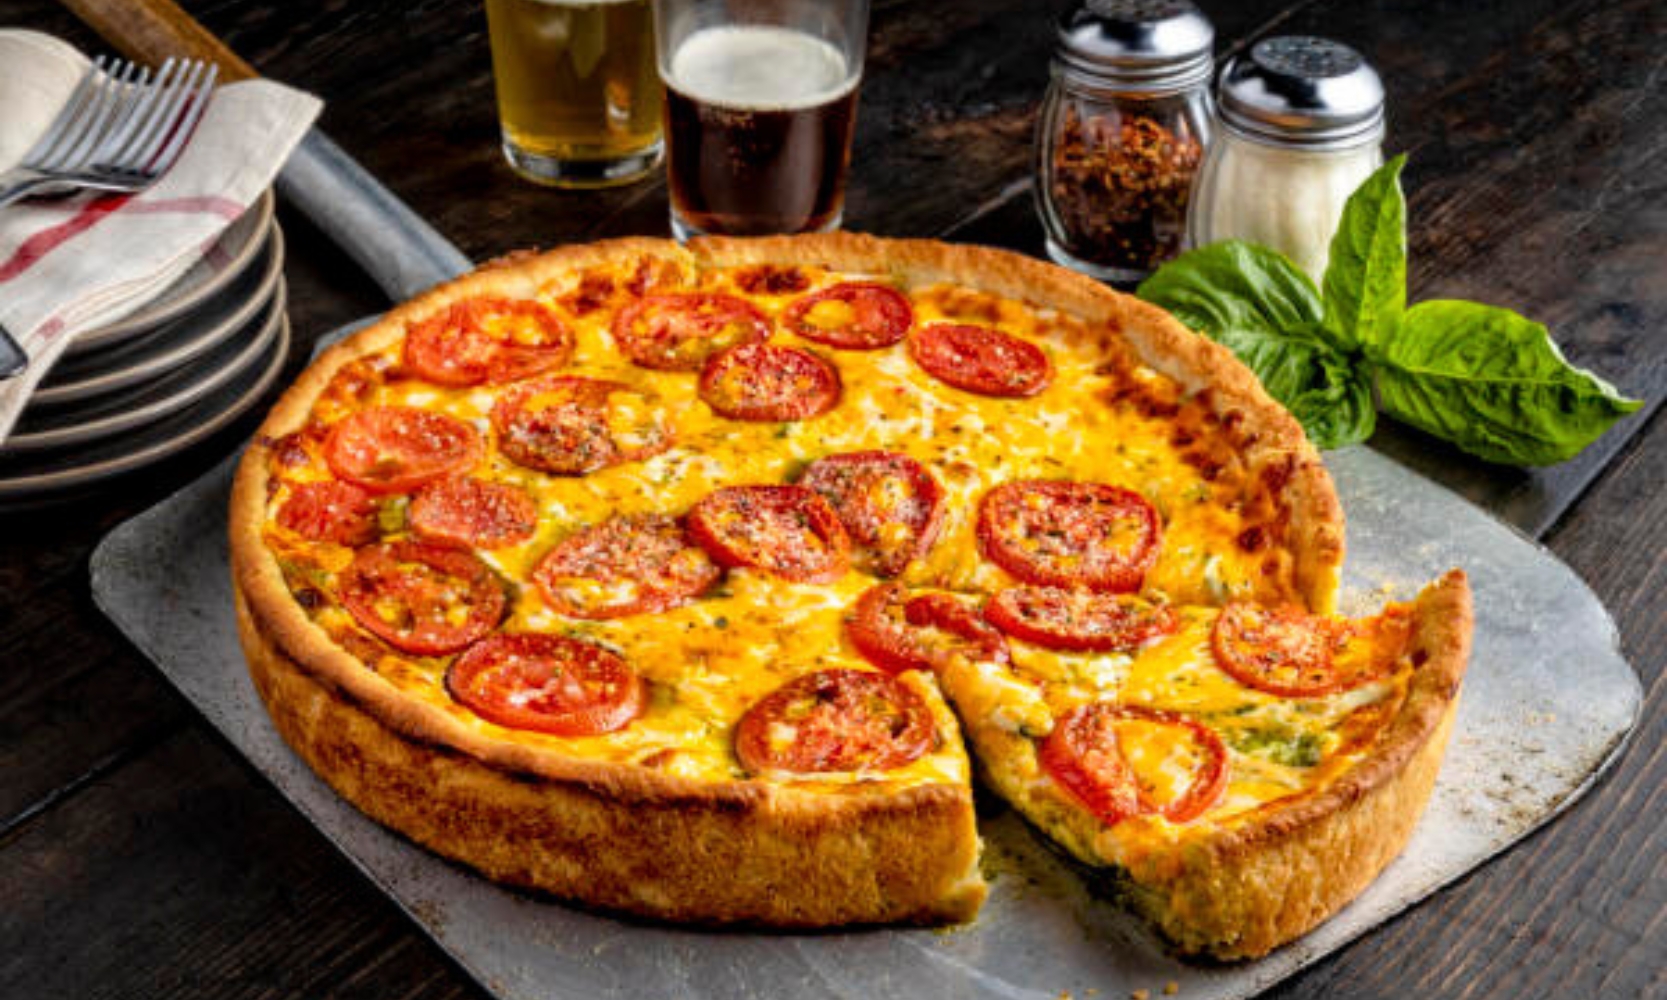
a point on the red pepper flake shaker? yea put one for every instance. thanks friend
(1121, 134)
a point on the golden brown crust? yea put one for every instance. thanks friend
(757, 854)
(325, 700)
(1242, 889)
(1248, 889)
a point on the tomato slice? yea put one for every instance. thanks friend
(1086, 754)
(835, 720)
(787, 531)
(574, 426)
(979, 359)
(548, 684)
(330, 511)
(769, 382)
(472, 513)
(627, 565)
(1078, 619)
(889, 503)
(488, 340)
(1288, 652)
(423, 599)
(680, 331)
(395, 449)
(855, 315)
(1070, 534)
(897, 632)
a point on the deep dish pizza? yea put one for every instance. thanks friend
(668, 580)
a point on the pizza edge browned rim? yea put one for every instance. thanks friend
(1285, 874)
(738, 852)
(1238, 891)
(1315, 518)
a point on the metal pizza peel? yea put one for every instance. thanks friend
(1522, 751)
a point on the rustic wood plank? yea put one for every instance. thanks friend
(183, 875)
(1540, 166)
(57, 737)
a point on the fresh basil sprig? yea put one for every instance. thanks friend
(1263, 308)
(1484, 378)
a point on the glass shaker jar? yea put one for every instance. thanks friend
(1301, 126)
(1122, 133)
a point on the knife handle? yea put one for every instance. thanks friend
(151, 31)
(12, 359)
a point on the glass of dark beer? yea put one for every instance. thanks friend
(761, 102)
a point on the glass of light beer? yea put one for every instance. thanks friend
(578, 94)
(761, 103)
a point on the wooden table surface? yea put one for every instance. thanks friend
(141, 857)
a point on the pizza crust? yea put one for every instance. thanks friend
(643, 841)
(1241, 889)
(736, 852)
(1249, 889)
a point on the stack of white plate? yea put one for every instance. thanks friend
(163, 378)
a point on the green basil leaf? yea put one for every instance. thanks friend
(1235, 285)
(1268, 312)
(1330, 397)
(1493, 383)
(1365, 284)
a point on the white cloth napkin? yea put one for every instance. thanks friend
(75, 264)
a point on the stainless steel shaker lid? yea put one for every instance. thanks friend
(1303, 91)
(1161, 46)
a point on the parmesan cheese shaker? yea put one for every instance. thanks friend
(1300, 126)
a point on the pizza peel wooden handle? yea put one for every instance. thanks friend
(150, 31)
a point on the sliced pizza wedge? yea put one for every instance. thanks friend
(1248, 770)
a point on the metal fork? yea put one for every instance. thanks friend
(119, 131)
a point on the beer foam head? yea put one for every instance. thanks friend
(760, 68)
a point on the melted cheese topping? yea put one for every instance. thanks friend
(708, 661)
(1277, 747)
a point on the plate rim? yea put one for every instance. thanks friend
(27, 487)
(183, 354)
(93, 431)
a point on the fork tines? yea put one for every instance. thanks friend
(124, 125)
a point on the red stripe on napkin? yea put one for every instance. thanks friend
(49, 239)
(225, 208)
